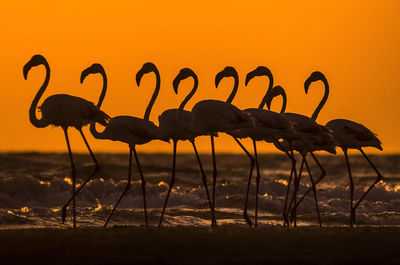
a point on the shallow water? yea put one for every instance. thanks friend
(34, 186)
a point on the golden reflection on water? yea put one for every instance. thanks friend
(162, 183)
(99, 206)
(25, 209)
(45, 183)
(282, 181)
(266, 195)
(387, 187)
(68, 180)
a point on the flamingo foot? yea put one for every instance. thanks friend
(248, 221)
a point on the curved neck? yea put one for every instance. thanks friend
(94, 132)
(323, 101)
(235, 88)
(270, 85)
(155, 94)
(190, 95)
(284, 102)
(32, 110)
(103, 91)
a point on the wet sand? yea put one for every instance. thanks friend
(192, 245)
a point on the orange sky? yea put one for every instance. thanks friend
(355, 43)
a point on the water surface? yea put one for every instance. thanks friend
(34, 186)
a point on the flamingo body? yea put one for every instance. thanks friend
(211, 116)
(310, 136)
(176, 124)
(130, 130)
(70, 111)
(269, 126)
(305, 125)
(350, 134)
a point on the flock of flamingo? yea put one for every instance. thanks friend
(289, 132)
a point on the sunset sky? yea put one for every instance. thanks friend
(356, 44)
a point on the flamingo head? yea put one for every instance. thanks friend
(229, 71)
(183, 74)
(146, 68)
(34, 61)
(93, 69)
(259, 71)
(274, 92)
(315, 76)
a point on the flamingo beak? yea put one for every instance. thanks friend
(139, 76)
(26, 69)
(84, 74)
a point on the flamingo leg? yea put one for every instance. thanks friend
(143, 185)
(214, 173)
(296, 184)
(73, 175)
(96, 169)
(323, 174)
(257, 182)
(252, 162)
(352, 213)
(204, 179)
(378, 179)
(285, 217)
(171, 183)
(313, 188)
(127, 187)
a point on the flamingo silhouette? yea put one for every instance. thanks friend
(269, 126)
(212, 116)
(176, 125)
(310, 137)
(65, 111)
(95, 68)
(348, 135)
(133, 131)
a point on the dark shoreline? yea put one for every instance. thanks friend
(193, 245)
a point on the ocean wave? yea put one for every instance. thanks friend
(33, 188)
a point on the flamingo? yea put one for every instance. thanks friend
(348, 135)
(311, 137)
(175, 124)
(65, 111)
(99, 69)
(133, 131)
(212, 116)
(269, 126)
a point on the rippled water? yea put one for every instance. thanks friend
(34, 186)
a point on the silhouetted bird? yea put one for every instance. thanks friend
(176, 124)
(213, 116)
(269, 126)
(311, 137)
(348, 135)
(133, 131)
(65, 111)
